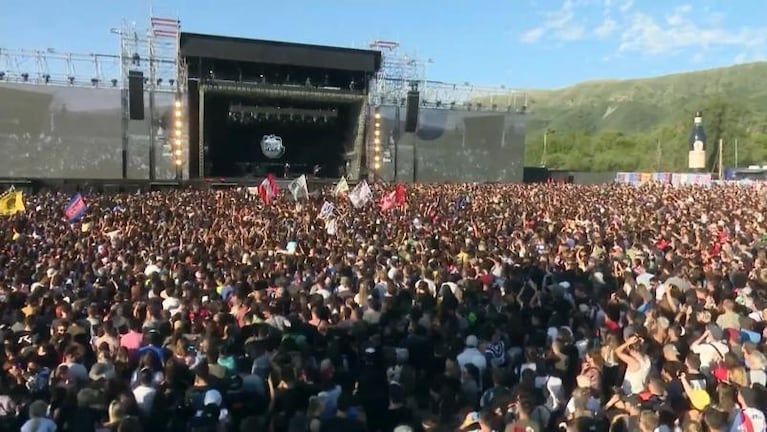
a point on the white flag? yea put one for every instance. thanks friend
(361, 194)
(298, 188)
(341, 187)
(327, 210)
(331, 226)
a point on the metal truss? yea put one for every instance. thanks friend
(155, 52)
(282, 91)
(53, 68)
(398, 70)
(437, 94)
(400, 73)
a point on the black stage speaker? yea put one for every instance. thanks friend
(411, 117)
(136, 94)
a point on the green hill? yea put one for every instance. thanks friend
(644, 125)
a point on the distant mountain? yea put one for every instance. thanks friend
(645, 124)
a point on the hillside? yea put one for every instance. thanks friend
(642, 125)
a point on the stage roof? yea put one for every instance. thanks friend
(279, 53)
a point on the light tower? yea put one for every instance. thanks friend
(155, 52)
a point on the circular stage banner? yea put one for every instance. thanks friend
(272, 147)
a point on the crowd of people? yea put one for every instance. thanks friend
(516, 308)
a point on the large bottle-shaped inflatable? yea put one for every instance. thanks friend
(697, 156)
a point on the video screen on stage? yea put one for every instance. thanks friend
(75, 132)
(453, 146)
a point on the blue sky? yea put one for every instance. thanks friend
(516, 43)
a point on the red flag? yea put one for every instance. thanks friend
(388, 201)
(268, 189)
(401, 195)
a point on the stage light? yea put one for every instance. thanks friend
(377, 166)
(377, 132)
(171, 82)
(178, 152)
(136, 59)
(178, 104)
(47, 78)
(179, 162)
(377, 116)
(25, 76)
(94, 82)
(159, 81)
(178, 123)
(114, 83)
(2, 75)
(71, 80)
(178, 132)
(377, 158)
(377, 141)
(378, 124)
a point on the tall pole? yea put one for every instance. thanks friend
(545, 148)
(152, 80)
(736, 152)
(721, 166)
(658, 156)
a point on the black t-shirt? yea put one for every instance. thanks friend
(397, 417)
(341, 424)
(291, 400)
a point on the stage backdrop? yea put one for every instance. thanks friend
(453, 146)
(70, 132)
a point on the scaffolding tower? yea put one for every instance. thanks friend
(398, 71)
(155, 52)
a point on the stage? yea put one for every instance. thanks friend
(256, 107)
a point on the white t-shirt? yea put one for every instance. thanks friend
(710, 353)
(144, 398)
(553, 386)
(40, 424)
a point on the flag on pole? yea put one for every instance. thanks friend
(268, 189)
(327, 210)
(388, 201)
(75, 209)
(12, 202)
(298, 188)
(341, 187)
(331, 226)
(361, 194)
(401, 195)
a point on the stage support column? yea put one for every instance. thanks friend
(152, 136)
(201, 126)
(125, 125)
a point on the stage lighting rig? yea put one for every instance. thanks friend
(178, 135)
(377, 119)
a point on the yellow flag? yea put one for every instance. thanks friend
(11, 203)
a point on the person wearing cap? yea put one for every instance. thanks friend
(472, 355)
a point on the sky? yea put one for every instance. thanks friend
(515, 43)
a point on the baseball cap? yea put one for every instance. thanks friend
(471, 341)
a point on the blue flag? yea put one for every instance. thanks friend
(75, 209)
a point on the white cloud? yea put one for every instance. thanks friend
(680, 31)
(607, 28)
(560, 25)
